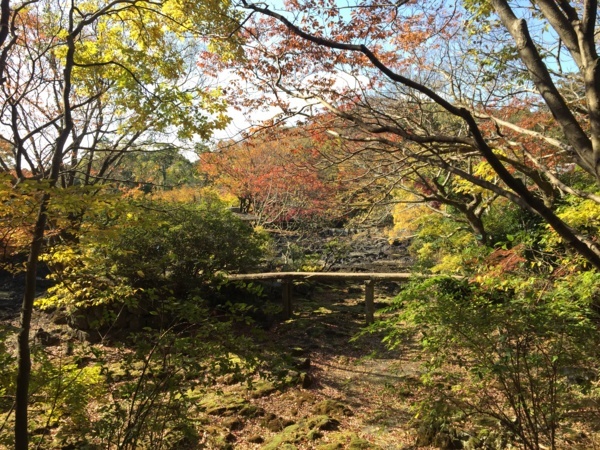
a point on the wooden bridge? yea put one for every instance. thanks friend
(287, 278)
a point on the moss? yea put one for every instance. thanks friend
(307, 430)
(223, 405)
(332, 408)
(350, 441)
(321, 422)
(262, 388)
(332, 446)
(357, 443)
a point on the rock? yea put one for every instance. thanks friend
(302, 364)
(306, 381)
(60, 317)
(262, 388)
(332, 407)
(233, 423)
(215, 405)
(46, 339)
(322, 422)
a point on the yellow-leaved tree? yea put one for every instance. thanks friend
(83, 83)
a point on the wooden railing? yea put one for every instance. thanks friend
(288, 277)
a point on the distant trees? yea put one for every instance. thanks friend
(281, 175)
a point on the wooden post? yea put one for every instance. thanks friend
(370, 301)
(286, 288)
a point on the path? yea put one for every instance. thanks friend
(377, 386)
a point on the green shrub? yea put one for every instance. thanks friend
(151, 258)
(519, 351)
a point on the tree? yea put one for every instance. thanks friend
(279, 175)
(432, 82)
(84, 83)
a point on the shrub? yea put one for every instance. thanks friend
(151, 257)
(519, 351)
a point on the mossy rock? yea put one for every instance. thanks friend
(307, 430)
(250, 410)
(233, 423)
(262, 388)
(321, 422)
(256, 439)
(350, 441)
(332, 446)
(275, 424)
(223, 405)
(357, 443)
(332, 408)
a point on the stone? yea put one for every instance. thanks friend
(262, 388)
(306, 381)
(233, 423)
(46, 339)
(332, 407)
(256, 439)
(302, 364)
(215, 405)
(60, 317)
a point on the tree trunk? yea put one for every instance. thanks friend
(24, 358)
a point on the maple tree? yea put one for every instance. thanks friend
(280, 175)
(433, 82)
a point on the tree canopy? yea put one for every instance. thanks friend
(447, 86)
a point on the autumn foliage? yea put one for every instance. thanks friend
(280, 176)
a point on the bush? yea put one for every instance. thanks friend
(152, 257)
(519, 351)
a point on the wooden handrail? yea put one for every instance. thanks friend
(360, 276)
(368, 277)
